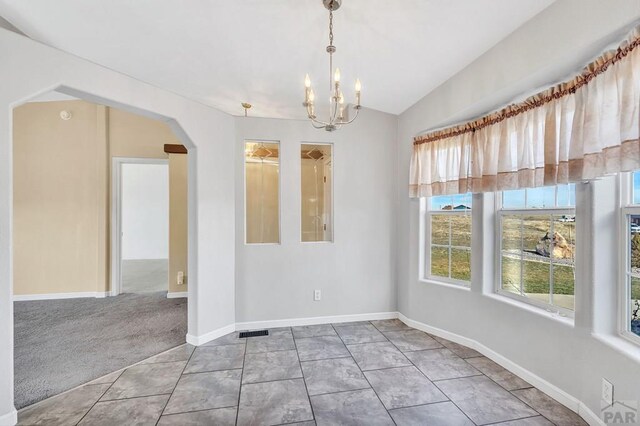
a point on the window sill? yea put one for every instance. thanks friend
(447, 284)
(620, 344)
(537, 310)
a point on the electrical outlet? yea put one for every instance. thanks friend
(317, 295)
(180, 278)
(607, 391)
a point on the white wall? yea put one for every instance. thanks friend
(355, 272)
(145, 211)
(30, 69)
(556, 42)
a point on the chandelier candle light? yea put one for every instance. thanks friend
(337, 117)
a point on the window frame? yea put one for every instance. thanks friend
(627, 209)
(529, 211)
(426, 261)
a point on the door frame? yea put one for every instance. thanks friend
(116, 216)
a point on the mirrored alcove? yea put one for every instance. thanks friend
(262, 192)
(316, 183)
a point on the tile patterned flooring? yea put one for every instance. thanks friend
(365, 373)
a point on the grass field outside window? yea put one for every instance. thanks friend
(537, 247)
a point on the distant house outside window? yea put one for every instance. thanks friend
(448, 239)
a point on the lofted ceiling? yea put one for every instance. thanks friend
(222, 53)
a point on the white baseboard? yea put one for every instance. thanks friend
(177, 294)
(54, 296)
(202, 339)
(9, 419)
(569, 401)
(292, 322)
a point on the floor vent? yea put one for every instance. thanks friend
(244, 334)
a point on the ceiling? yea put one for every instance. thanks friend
(222, 53)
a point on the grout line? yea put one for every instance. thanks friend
(515, 420)
(446, 396)
(209, 371)
(176, 385)
(304, 380)
(244, 358)
(324, 359)
(134, 397)
(453, 402)
(420, 405)
(367, 379)
(273, 381)
(480, 373)
(198, 411)
(531, 406)
(342, 391)
(97, 400)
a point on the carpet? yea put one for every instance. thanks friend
(60, 344)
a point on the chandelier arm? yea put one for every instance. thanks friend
(354, 117)
(322, 123)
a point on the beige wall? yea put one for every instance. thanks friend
(177, 221)
(62, 192)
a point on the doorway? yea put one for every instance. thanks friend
(142, 188)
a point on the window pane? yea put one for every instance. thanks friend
(461, 264)
(440, 229)
(452, 202)
(536, 277)
(634, 237)
(440, 262)
(511, 236)
(262, 180)
(440, 202)
(567, 195)
(461, 230)
(537, 197)
(563, 286)
(513, 199)
(315, 181)
(511, 273)
(634, 312)
(636, 188)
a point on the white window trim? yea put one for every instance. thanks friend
(426, 258)
(500, 212)
(627, 208)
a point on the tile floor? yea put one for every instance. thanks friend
(366, 373)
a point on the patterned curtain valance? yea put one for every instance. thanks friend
(578, 130)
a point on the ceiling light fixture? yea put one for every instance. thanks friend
(338, 115)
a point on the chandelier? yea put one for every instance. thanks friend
(338, 115)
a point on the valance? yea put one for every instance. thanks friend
(578, 130)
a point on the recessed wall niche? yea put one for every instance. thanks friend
(316, 182)
(262, 192)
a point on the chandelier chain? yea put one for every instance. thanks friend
(331, 28)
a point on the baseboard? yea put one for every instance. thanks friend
(9, 419)
(569, 401)
(292, 322)
(177, 294)
(55, 296)
(202, 339)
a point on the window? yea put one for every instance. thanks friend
(537, 246)
(316, 183)
(449, 239)
(631, 240)
(262, 192)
